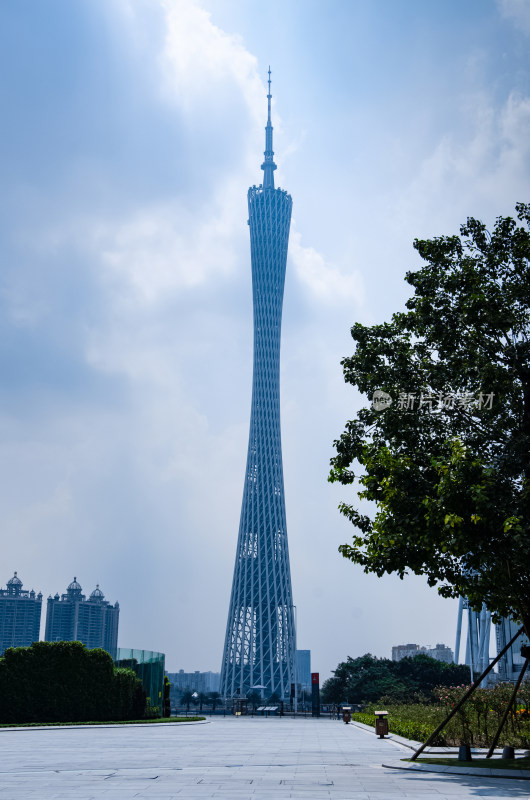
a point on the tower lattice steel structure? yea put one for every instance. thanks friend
(260, 647)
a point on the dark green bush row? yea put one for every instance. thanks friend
(144, 721)
(475, 723)
(65, 682)
(409, 729)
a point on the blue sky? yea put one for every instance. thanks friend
(132, 130)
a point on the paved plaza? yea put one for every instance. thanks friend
(259, 759)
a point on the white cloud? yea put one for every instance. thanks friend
(201, 58)
(518, 11)
(515, 129)
(325, 282)
(481, 173)
(171, 247)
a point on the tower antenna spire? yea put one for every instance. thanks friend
(268, 165)
(269, 97)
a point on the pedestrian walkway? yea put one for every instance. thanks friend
(235, 759)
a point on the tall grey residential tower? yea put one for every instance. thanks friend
(72, 617)
(19, 615)
(259, 650)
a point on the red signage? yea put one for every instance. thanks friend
(315, 677)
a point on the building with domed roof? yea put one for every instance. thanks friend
(93, 621)
(20, 612)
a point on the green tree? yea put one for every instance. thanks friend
(361, 680)
(202, 699)
(187, 698)
(366, 679)
(215, 699)
(422, 674)
(447, 464)
(166, 699)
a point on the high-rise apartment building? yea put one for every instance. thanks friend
(303, 669)
(194, 681)
(72, 617)
(20, 612)
(259, 650)
(441, 652)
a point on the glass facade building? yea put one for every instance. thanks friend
(72, 617)
(259, 650)
(149, 666)
(20, 612)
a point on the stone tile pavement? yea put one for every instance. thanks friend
(234, 759)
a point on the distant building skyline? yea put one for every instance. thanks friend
(441, 652)
(20, 614)
(73, 617)
(195, 681)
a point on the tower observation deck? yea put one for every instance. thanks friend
(260, 647)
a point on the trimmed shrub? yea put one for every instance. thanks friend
(409, 729)
(475, 724)
(65, 682)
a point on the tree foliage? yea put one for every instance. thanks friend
(187, 698)
(447, 464)
(215, 700)
(65, 682)
(367, 679)
(166, 698)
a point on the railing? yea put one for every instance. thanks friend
(220, 711)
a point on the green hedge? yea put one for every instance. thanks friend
(159, 721)
(475, 724)
(65, 682)
(417, 731)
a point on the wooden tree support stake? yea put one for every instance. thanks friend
(469, 692)
(505, 716)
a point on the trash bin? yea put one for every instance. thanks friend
(381, 723)
(346, 714)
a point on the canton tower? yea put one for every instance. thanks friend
(260, 646)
